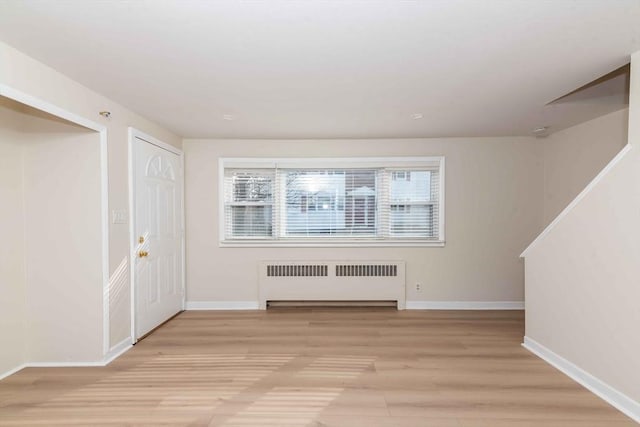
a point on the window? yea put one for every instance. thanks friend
(333, 202)
(249, 203)
(411, 204)
(401, 175)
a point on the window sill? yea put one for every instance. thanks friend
(333, 244)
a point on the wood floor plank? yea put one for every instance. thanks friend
(373, 367)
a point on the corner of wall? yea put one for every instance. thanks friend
(581, 279)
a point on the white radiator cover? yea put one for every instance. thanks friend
(331, 281)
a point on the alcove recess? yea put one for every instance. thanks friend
(50, 239)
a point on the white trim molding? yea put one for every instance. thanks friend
(118, 350)
(411, 305)
(615, 398)
(47, 107)
(115, 352)
(135, 133)
(331, 244)
(12, 371)
(465, 305)
(222, 305)
(132, 257)
(106, 289)
(578, 198)
(64, 364)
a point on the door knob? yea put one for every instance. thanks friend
(143, 254)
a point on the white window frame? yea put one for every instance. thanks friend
(330, 163)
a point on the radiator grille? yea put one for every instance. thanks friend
(295, 270)
(320, 281)
(369, 270)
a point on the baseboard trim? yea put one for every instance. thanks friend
(117, 350)
(12, 371)
(465, 305)
(618, 400)
(64, 364)
(222, 305)
(411, 305)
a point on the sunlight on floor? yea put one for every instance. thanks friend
(342, 367)
(290, 406)
(239, 389)
(179, 384)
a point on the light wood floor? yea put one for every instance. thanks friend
(314, 367)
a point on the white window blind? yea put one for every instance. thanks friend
(331, 202)
(248, 196)
(365, 201)
(413, 204)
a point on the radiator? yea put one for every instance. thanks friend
(331, 281)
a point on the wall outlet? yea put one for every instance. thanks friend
(418, 287)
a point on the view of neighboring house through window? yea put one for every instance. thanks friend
(411, 204)
(249, 203)
(330, 202)
(375, 203)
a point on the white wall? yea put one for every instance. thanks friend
(12, 273)
(574, 156)
(582, 275)
(50, 223)
(20, 72)
(62, 241)
(493, 209)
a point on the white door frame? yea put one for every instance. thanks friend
(39, 104)
(133, 134)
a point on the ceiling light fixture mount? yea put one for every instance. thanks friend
(541, 131)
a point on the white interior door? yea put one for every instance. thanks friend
(158, 287)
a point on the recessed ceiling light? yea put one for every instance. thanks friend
(416, 116)
(228, 117)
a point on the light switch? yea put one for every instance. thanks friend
(119, 216)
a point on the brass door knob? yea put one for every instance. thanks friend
(143, 254)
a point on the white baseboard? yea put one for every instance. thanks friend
(117, 350)
(618, 400)
(465, 305)
(222, 305)
(64, 364)
(12, 371)
(411, 305)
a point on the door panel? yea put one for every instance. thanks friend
(158, 235)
